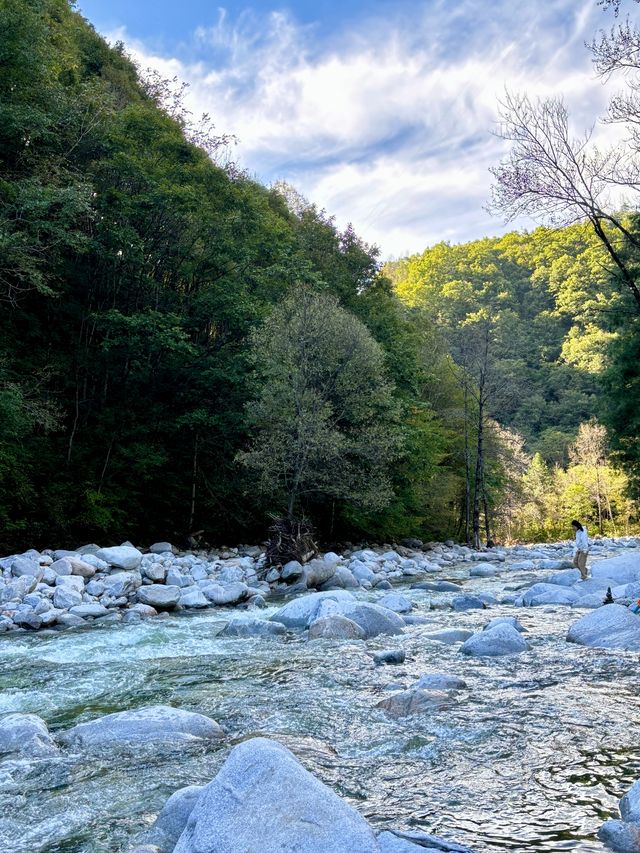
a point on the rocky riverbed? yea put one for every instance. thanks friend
(434, 691)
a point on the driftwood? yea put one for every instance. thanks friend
(290, 539)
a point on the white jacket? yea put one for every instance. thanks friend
(582, 541)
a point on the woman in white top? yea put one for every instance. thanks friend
(581, 549)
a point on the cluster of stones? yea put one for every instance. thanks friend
(102, 585)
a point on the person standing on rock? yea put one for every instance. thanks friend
(581, 549)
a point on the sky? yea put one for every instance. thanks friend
(382, 113)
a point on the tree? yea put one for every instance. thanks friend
(324, 417)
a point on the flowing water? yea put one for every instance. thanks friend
(533, 756)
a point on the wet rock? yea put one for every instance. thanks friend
(396, 602)
(413, 701)
(291, 571)
(437, 586)
(504, 620)
(263, 799)
(389, 656)
(630, 804)
(121, 557)
(27, 619)
(69, 620)
(145, 611)
(159, 596)
(500, 640)
(440, 681)
(341, 579)
(566, 578)
(547, 593)
(373, 620)
(159, 722)
(301, 612)
(449, 636)
(610, 627)
(171, 821)
(89, 610)
(335, 627)
(416, 841)
(27, 734)
(484, 570)
(248, 627)
(65, 597)
(467, 602)
(230, 593)
(620, 836)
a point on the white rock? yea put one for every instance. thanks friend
(608, 627)
(121, 556)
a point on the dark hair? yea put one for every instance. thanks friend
(577, 525)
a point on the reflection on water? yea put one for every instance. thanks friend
(532, 757)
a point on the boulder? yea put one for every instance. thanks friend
(88, 610)
(415, 841)
(22, 566)
(248, 627)
(467, 602)
(440, 681)
(157, 723)
(156, 572)
(630, 804)
(437, 586)
(162, 548)
(291, 571)
(389, 656)
(170, 823)
(27, 619)
(66, 597)
(413, 701)
(302, 611)
(373, 619)
(624, 568)
(80, 567)
(27, 734)
(122, 583)
(263, 800)
(449, 636)
(159, 596)
(504, 620)
(317, 572)
(547, 593)
(122, 557)
(335, 627)
(620, 836)
(341, 579)
(193, 597)
(568, 577)
(610, 627)
(230, 593)
(484, 570)
(396, 602)
(500, 640)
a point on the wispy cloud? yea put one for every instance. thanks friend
(388, 126)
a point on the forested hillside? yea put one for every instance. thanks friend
(185, 351)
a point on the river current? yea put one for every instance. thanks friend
(533, 756)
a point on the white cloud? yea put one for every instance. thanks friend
(388, 127)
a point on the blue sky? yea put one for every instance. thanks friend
(380, 112)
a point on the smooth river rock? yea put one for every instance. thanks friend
(611, 626)
(159, 722)
(630, 804)
(440, 681)
(335, 627)
(301, 612)
(413, 701)
(171, 821)
(121, 556)
(253, 627)
(502, 639)
(159, 596)
(264, 800)
(620, 836)
(27, 734)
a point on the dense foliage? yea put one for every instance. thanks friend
(157, 366)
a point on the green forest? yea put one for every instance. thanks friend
(187, 352)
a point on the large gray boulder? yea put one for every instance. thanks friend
(413, 701)
(318, 572)
(630, 804)
(159, 596)
(122, 583)
(373, 619)
(121, 557)
(618, 570)
(609, 627)
(548, 593)
(264, 800)
(225, 594)
(27, 734)
(500, 640)
(335, 627)
(449, 636)
(396, 602)
(22, 566)
(440, 681)
(302, 611)
(157, 723)
(170, 823)
(620, 836)
(253, 627)
(66, 597)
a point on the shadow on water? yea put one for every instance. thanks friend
(532, 756)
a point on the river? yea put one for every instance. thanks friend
(533, 756)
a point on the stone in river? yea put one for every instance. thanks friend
(396, 602)
(27, 619)
(248, 627)
(86, 610)
(413, 701)
(193, 597)
(335, 627)
(159, 596)
(389, 656)
(468, 602)
(229, 593)
(122, 583)
(173, 818)
(504, 620)
(449, 636)
(416, 841)
(500, 640)
(630, 804)
(25, 733)
(373, 619)
(159, 722)
(620, 836)
(609, 627)
(264, 800)
(484, 570)
(622, 569)
(302, 611)
(440, 681)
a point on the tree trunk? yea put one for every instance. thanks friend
(477, 486)
(467, 470)
(194, 475)
(485, 506)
